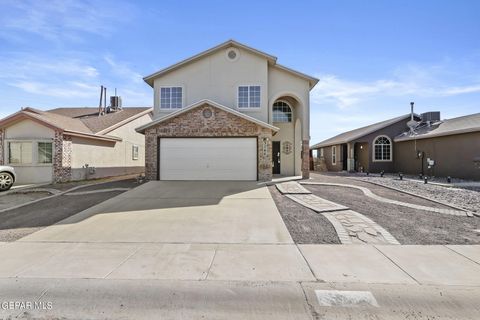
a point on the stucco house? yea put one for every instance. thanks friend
(67, 144)
(366, 149)
(449, 147)
(229, 113)
(429, 146)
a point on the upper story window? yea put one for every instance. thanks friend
(249, 97)
(282, 112)
(171, 97)
(382, 149)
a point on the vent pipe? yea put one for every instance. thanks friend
(411, 110)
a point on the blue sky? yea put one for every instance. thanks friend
(373, 57)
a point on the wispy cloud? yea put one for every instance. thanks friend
(123, 70)
(410, 81)
(61, 19)
(66, 90)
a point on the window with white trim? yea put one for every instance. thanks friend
(334, 155)
(382, 149)
(171, 97)
(249, 96)
(20, 153)
(134, 152)
(282, 112)
(45, 152)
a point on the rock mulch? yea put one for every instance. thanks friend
(407, 225)
(305, 225)
(461, 198)
(351, 226)
(372, 195)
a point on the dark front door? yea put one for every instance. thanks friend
(344, 156)
(276, 157)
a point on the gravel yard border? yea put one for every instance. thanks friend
(304, 225)
(423, 197)
(458, 198)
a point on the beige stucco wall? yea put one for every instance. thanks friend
(287, 161)
(109, 158)
(217, 78)
(284, 84)
(29, 130)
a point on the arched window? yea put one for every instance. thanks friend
(382, 149)
(282, 112)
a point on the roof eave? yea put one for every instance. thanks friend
(436, 135)
(150, 78)
(142, 129)
(123, 122)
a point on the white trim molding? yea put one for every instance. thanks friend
(390, 145)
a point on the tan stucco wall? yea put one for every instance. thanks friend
(284, 84)
(453, 156)
(287, 161)
(103, 154)
(29, 130)
(216, 78)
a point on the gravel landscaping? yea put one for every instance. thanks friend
(462, 198)
(305, 225)
(408, 226)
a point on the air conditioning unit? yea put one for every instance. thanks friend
(115, 103)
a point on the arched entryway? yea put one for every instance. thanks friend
(287, 143)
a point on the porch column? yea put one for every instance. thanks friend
(351, 156)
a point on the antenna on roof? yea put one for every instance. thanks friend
(412, 124)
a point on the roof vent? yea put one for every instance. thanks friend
(412, 124)
(232, 54)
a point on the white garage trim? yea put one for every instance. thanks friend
(207, 158)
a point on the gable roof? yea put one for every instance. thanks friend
(230, 43)
(174, 114)
(83, 122)
(464, 124)
(358, 133)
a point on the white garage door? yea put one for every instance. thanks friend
(208, 159)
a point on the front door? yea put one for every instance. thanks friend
(276, 157)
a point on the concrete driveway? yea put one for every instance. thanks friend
(178, 212)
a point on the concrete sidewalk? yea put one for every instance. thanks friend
(426, 265)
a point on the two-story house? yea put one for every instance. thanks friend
(229, 113)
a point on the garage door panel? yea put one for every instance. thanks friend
(208, 159)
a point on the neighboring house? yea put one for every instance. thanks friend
(67, 144)
(444, 148)
(229, 113)
(435, 147)
(367, 149)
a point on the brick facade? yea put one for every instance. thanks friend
(62, 157)
(220, 123)
(2, 147)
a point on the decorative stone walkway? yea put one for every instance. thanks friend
(351, 227)
(370, 194)
(291, 187)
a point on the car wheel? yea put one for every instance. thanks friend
(6, 181)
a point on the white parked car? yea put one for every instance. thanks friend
(7, 177)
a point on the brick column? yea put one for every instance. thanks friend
(2, 146)
(151, 163)
(305, 159)
(264, 146)
(62, 157)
